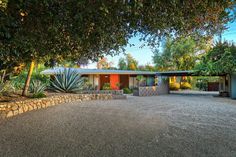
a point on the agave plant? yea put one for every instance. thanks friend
(67, 81)
(37, 87)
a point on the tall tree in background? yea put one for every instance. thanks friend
(220, 60)
(122, 65)
(39, 30)
(128, 63)
(132, 64)
(104, 63)
(163, 60)
(179, 54)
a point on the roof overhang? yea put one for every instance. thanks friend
(176, 73)
(97, 71)
(184, 73)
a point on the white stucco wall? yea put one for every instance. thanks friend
(133, 82)
(93, 79)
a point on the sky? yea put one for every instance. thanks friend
(144, 55)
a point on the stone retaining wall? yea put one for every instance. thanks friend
(151, 90)
(113, 92)
(10, 109)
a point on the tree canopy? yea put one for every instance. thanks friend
(180, 54)
(104, 64)
(41, 30)
(128, 63)
(220, 60)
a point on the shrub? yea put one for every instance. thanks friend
(88, 86)
(174, 86)
(127, 91)
(6, 88)
(39, 95)
(37, 87)
(106, 86)
(19, 81)
(185, 85)
(202, 85)
(67, 81)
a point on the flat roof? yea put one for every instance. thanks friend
(177, 73)
(185, 73)
(97, 71)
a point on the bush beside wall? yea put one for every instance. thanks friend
(174, 86)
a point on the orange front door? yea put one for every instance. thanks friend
(115, 81)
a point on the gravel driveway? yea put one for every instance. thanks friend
(170, 125)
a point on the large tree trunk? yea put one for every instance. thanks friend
(27, 82)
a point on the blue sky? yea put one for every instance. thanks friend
(144, 55)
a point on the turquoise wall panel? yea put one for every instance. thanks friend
(150, 81)
(233, 86)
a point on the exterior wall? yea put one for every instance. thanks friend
(91, 79)
(124, 81)
(233, 86)
(114, 81)
(162, 88)
(225, 85)
(150, 81)
(94, 80)
(133, 82)
(163, 85)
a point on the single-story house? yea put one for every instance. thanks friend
(117, 79)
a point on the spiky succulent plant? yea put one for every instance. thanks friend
(37, 87)
(67, 81)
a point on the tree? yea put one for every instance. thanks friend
(147, 67)
(220, 60)
(122, 64)
(104, 64)
(163, 61)
(82, 61)
(40, 30)
(178, 54)
(132, 64)
(128, 63)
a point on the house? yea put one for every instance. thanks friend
(120, 79)
(116, 79)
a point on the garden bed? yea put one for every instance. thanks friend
(15, 107)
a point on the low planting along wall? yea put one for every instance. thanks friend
(9, 109)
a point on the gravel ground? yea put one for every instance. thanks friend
(170, 125)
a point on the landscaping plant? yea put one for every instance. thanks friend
(6, 88)
(202, 84)
(174, 86)
(37, 88)
(127, 91)
(185, 85)
(67, 81)
(106, 86)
